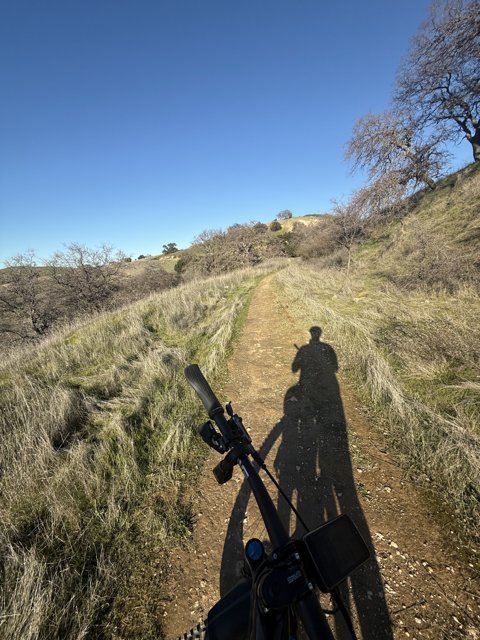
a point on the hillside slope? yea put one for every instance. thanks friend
(437, 244)
(405, 318)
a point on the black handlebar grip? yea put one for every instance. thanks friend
(197, 380)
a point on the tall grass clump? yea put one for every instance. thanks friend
(95, 426)
(416, 355)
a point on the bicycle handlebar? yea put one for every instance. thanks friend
(197, 380)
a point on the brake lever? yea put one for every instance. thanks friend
(211, 437)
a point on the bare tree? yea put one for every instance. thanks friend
(88, 277)
(391, 143)
(142, 282)
(241, 245)
(439, 80)
(350, 222)
(381, 198)
(26, 311)
(316, 240)
(253, 242)
(286, 214)
(206, 250)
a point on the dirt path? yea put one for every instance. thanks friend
(330, 461)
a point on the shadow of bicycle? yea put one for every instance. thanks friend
(314, 468)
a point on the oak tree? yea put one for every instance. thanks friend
(27, 311)
(169, 248)
(349, 223)
(439, 80)
(392, 143)
(88, 277)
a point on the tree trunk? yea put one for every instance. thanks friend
(431, 183)
(475, 142)
(476, 149)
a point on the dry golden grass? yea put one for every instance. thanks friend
(96, 429)
(417, 357)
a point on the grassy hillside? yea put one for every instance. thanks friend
(405, 323)
(437, 244)
(96, 427)
(165, 262)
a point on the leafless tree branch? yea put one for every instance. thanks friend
(439, 80)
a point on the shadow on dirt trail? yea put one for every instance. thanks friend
(314, 468)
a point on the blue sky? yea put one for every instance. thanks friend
(138, 123)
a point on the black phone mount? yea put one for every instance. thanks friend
(234, 437)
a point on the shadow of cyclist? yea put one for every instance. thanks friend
(314, 469)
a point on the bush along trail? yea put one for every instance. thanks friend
(285, 380)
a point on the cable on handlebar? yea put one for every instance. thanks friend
(264, 467)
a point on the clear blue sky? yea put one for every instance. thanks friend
(143, 122)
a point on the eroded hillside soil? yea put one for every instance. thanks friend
(330, 459)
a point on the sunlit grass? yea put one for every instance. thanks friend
(417, 357)
(96, 452)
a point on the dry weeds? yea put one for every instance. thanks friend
(417, 357)
(96, 424)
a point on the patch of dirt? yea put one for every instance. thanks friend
(316, 436)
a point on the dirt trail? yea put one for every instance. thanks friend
(329, 460)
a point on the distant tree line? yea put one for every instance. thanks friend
(36, 296)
